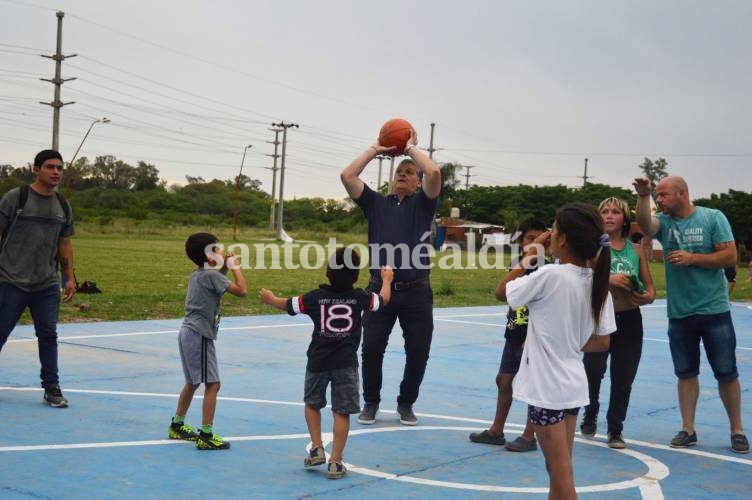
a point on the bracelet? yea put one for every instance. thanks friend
(407, 149)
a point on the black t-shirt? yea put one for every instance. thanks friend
(336, 317)
(517, 318)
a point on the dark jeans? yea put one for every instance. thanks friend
(625, 351)
(414, 309)
(44, 306)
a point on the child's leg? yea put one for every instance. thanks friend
(184, 401)
(210, 403)
(556, 441)
(529, 433)
(313, 421)
(341, 429)
(503, 403)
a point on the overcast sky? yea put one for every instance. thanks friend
(521, 91)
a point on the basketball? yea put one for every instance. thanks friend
(395, 133)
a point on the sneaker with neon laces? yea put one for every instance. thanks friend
(316, 456)
(53, 396)
(739, 443)
(211, 442)
(336, 470)
(683, 439)
(182, 431)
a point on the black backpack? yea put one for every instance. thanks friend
(23, 196)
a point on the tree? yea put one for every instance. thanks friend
(146, 177)
(449, 183)
(654, 170)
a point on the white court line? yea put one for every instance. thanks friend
(648, 484)
(157, 332)
(695, 452)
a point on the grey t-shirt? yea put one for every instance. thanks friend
(29, 257)
(205, 289)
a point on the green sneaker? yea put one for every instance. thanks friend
(211, 442)
(182, 431)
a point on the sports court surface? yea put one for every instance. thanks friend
(122, 381)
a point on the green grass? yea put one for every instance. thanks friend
(143, 272)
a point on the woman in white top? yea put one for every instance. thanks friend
(570, 311)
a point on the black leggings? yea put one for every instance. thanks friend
(625, 351)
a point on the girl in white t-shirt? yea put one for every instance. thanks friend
(570, 311)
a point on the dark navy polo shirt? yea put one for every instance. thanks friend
(391, 223)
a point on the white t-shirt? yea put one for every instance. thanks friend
(560, 322)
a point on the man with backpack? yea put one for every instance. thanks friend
(36, 224)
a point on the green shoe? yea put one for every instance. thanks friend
(182, 431)
(211, 442)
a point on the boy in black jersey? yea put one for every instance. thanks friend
(336, 311)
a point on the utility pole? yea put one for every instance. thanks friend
(237, 197)
(430, 146)
(274, 169)
(381, 158)
(56, 104)
(467, 176)
(585, 177)
(284, 126)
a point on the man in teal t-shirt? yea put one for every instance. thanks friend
(697, 245)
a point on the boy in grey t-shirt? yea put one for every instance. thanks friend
(206, 285)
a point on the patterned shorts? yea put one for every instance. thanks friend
(543, 416)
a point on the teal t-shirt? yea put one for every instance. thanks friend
(626, 261)
(693, 289)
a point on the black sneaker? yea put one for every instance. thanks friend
(211, 442)
(739, 443)
(588, 427)
(53, 396)
(616, 442)
(182, 431)
(368, 415)
(683, 439)
(407, 417)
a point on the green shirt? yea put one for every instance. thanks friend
(626, 261)
(693, 289)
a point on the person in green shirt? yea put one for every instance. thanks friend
(697, 244)
(631, 286)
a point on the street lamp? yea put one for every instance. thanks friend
(70, 163)
(237, 196)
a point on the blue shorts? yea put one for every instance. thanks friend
(511, 356)
(543, 416)
(345, 390)
(718, 337)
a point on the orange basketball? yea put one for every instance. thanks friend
(395, 133)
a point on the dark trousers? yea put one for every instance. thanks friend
(44, 306)
(625, 351)
(414, 309)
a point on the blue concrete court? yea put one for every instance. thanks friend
(122, 381)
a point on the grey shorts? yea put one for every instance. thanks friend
(198, 356)
(345, 390)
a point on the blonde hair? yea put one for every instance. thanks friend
(623, 206)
